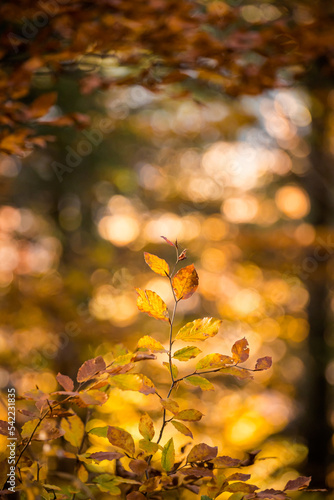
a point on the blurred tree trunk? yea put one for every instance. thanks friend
(319, 185)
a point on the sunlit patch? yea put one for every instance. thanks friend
(293, 201)
(120, 230)
(163, 223)
(246, 301)
(214, 228)
(213, 259)
(119, 309)
(305, 234)
(240, 210)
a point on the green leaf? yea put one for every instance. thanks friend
(122, 439)
(100, 431)
(214, 360)
(205, 497)
(146, 427)
(174, 369)
(201, 382)
(133, 382)
(200, 329)
(189, 415)
(187, 353)
(168, 456)
(170, 405)
(148, 446)
(74, 430)
(182, 428)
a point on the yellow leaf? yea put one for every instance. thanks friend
(189, 415)
(150, 343)
(185, 282)
(182, 428)
(187, 353)
(201, 382)
(170, 405)
(152, 304)
(157, 265)
(214, 360)
(74, 430)
(146, 427)
(200, 329)
(133, 382)
(201, 452)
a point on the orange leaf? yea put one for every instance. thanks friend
(202, 452)
(157, 265)
(263, 363)
(185, 282)
(121, 438)
(152, 304)
(240, 351)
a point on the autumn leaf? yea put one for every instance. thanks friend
(201, 382)
(90, 368)
(238, 476)
(148, 446)
(138, 466)
(199, 329)
(185, 282)
(146, 427)
(106, 455)
(298, 484)
(40, 106)
(150, 343)
(225, 461)
(122, 439)
(263, 363)
(214, 360)
(240, 351)
(241, 487)
(182, 428)
(65, 381)
(74, 430)
(189, 415)
(135, 495)
(186, 353)
(197, 472)
(237, 372)
(170, 405)
(133, 382)
(159, 266)
(168, 456)
(168, 241)
(202, 452)
(175, 370)
(100, 431)
(152, 304)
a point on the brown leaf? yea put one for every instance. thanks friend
(40, 106)
(263, 363)
(146, 427)
(197, 472)
(65, 381)
(185, 282)
(138, 466)
(122, 439)
(240, 351)
(271, 493)
(298, 484)
(106, 455)
(168, 241)
(135, 495)
(90, 368)
(238, 476)
(241, 487)
(202, 452)
(225, 461)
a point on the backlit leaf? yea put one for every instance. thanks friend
(237, 372)
(168, 456)
(240, 351)
(189, 415)
(175, 370)
(122, 439)
(157, 265)
(100, 431)
(201, 382)
(263, 363)
(214, 360)
(170, 405)
(152, 304)
(200, 329)
(298, 484)
(90, 368)
(133, 382)
(202, 452)
(150, 343)
(169, 242)
(185, 282)
(225, 461)
(187, 353)
(74, 430)
(148, 446)
(182, 428)
(146, 427)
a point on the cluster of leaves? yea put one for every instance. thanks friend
(155, 44)
(136, 476)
